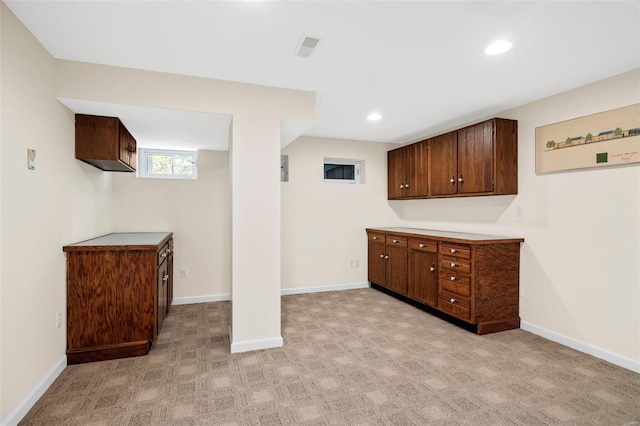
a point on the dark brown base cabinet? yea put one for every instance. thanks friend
(119, 290)
(474, 278)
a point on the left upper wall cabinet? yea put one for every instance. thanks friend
(105, 143)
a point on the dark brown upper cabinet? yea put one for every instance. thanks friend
(481, 159)
(407, 171)
(105, 143)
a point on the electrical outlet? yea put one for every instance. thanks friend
(519, 211)
(59, 319)
(357, 263)
(184, 273)
(351, 264)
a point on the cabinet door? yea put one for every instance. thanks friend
(170, 278)
(443, 165)
(475, 159)
(417, 161)
(162, 295)
(397, 269)
(423, 282)
(127, 148)
(396, 173)
(376, 263)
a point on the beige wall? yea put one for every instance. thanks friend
(196, 211)
(323, 223)
(62, 201)
(580, 273)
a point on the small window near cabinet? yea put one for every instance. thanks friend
(339, 170)
(164, 164)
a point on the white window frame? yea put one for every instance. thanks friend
(144, 158)
(345, 162)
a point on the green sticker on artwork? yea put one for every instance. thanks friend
(602, 157)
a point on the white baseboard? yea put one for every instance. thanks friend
(200, 299)
(613, 358)
(256, 345)
(321, 288)
(284, 292)
(22, 408)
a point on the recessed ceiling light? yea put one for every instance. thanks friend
(497, 47)
(374, 116)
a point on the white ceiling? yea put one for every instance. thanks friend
(420, 64)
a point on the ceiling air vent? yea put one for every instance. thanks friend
(307, 46)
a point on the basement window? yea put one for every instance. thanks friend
(165, 164)
(341, 170)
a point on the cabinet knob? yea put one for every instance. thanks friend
(454, 251)
(421, 245)
(453, 278)
(460, 179)
(453, 179)
(406, 185)
(453, 265)
(432, 268)
(401, 186)
(386, 257)
(165, 278)
(163, 254)
(382, 255)
(375, 238)
(395, 241)
(452, 300)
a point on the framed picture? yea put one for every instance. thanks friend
(608, 138)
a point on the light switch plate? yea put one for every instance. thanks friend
(31, 159)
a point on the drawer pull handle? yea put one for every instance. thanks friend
(453, 265)
(453, 180)
(432, 268)
(395, 241)
(453, 300)
(375, 238)
(453, 278)
(454, 251)
(421, 245)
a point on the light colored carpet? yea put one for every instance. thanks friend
(350, 358)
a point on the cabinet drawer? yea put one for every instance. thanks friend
(397, 241)
(457, 250)
(164, 252)
(454, 299)
(424, 245)
(455, 287)
(451, 277)
(455, 265)
(376, 238)
(454, 309)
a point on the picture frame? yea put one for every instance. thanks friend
(608, 138)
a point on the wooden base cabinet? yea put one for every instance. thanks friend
(474, 278)
(388, 262)
(119, 289)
